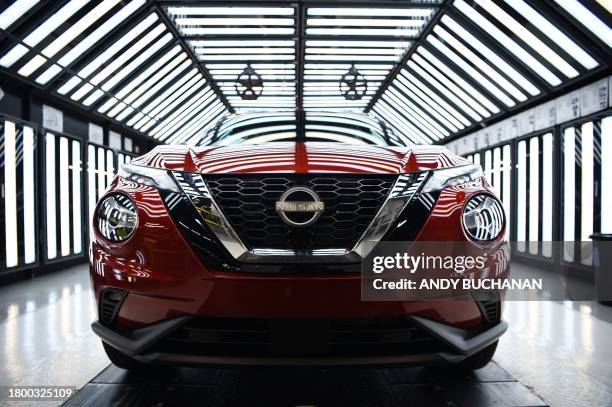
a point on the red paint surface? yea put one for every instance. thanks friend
(166, 279)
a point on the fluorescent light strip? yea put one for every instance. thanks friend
(125, 113)
(495, 59)
(228, 11)
(246, 50)
(172, 106)
(64, 196)
(43, 30)
(50, 212)
(584, 16)
(90, 41)
(417, 135)
(450, 85)
(397, 128)
(91, 99)
(237, 31)
(356, 51)
(198, 122)
(366, 44)
(15, 11)
(127, 89)
(142, 57)
(242, 43)
(353, 58)
(83, 90)
(167, 78)
(420, 118)
(119, 107)
(398, 32)
(445, 91)
(255, 66)
(345, 67)
(107, 54)
(364, 22)
(370, 12)
(178, 116)
(170, 134)
(254, 21)
(342, 72)
(253, 57)
(431, 98)
(236, 72)
(534, 42)
(552, 32)
(70, 34)
(108, 104)
(29, 180)
(477, 76)
(482, 65)
(508, 43)
(433, 109)
(173, 92)
(10, 194)
(155, 82)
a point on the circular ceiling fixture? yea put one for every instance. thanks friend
(353, 85)
(249, 84)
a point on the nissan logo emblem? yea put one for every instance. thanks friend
(299, 206)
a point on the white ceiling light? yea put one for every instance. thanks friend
(43, 30)
(237, 30)
(534, 42)
(263, 21)
(15, 11)
(363, 22)
(90, 40)
(482, 65)
(552, 32)
(584, 16)
(108, 53)
(70, 34)
(229, 11)
(370, 12)
(395, 32)
(508, 43)
(479, 78)
(495, 59)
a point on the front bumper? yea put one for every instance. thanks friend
(456, 345)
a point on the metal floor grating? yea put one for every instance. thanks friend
(304, 387)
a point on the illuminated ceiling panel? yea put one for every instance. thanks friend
(435, 69)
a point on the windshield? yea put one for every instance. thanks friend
(258, 128)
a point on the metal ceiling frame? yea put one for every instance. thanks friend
(584, 38)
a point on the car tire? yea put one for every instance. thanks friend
(479, 359)
(120, 359)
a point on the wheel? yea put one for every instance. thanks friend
(478, 360)
(120, 359)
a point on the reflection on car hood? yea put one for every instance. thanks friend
(301, 158)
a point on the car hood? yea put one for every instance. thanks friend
(300, 157)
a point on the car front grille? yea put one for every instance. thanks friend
(210, 336)
(248, 202)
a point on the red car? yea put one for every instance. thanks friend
(247, 250)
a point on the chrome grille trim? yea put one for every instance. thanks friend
(402, 192)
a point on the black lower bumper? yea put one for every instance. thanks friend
(457, 345)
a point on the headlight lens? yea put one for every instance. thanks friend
(116, 217)
(483, 218)
(449, 177)
(153, 177)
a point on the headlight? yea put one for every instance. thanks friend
(483, 218)
(116, 217)
(450, 177)
(153, 177)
